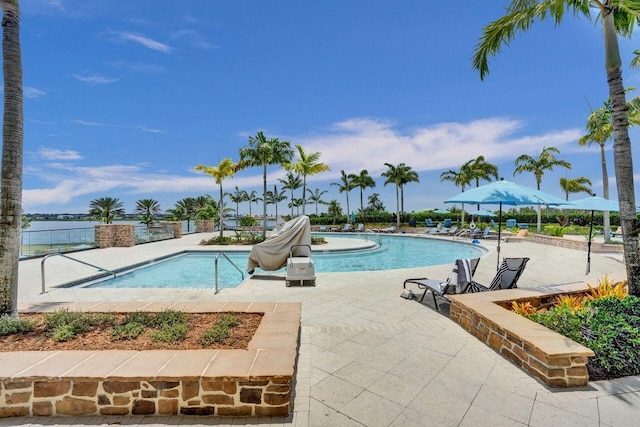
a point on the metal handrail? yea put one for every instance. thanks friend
(216, 268)
(72, 259)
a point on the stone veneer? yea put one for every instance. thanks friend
(552, 358)
(177, 228)
(253, 382)
(574, 244)
(115, 235)
(205, 226)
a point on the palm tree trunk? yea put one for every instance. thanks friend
(605, 193)
(292, 203)
(402, 201)
(304, 194)
(264, 202)
(221, 208)
(348, 210)
(397, 206)
(623, 165)
(361, 205)
(11, 176)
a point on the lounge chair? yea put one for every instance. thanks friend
(322, 228)
(447, 222)
(511, 223)
(430, 223)
(488, 233)
(506, 278)
(450, 231)
(458, 282)
(360, 228)
(347, 227)
(391, 229)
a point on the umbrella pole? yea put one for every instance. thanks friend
(499, 234)
(589, 245)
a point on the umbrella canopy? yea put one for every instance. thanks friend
(592, 204)
(441, 211)
(483, 212)
(505, 193)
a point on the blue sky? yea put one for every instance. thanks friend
(123, 99)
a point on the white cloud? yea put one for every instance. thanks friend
(55, 154)
(194, 38)
(32, 92)
(146, 42)
(139, 67)
(94, 78)
(98, 124)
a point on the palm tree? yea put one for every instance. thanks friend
(265, 152)
(238, 197)
(538, 166)
(334, 210)
(374, 203)
(316, 197)
(479, 169)
(252, 198)
(273, 198)
(207, 208)
(393, 177)
(461, 179)
(225, 169)
(306, 164)
(12, 148)
(105, 209)
(363, 181)
(407, 176)
(188, 210)
(293, 182)
(575, 185)
(345, 185)
(616, 17)
(599, 130)
(147, 209)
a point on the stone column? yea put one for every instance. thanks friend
(205, 226)
(115, 235)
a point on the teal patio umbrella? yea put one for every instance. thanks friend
(592, 204)
(483, 212)
(505, 193)
(441, 211)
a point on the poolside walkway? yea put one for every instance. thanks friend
(367, 356)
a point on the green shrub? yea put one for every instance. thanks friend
(127, 331)
(168, 318)
(14, 325)
(65, 325)
(220, 331)
(171, 333)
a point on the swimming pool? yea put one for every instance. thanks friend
(196, 269)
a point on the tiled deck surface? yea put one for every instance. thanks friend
(369, 357)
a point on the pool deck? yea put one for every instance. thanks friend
(367, 356)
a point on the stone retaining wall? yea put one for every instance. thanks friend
(552, 358)
(205, 226)
(574, 244)
(177, 228)
(222, 397)
(256, 381)
(115, 235)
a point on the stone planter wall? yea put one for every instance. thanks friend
(552, 358)
(205, 226)
(115, 235)
(177, 228)
(574, 244)
(255, 382)
(222, 397)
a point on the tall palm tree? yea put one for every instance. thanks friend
(264, 152)
(274, 197)
(479, 169)
(105, 209)
(581, 184)
(599, 130)
(306, 164)
(393, 177)
(12, 148)
(293, 182)
(407, 176)
(345, 185)
(616, 17)
(460, 178)
(546, 161)
(147, 209)
(334, 210)
(316, 197)
(188, 206)
(207, 208)
(363, 181)
(252, 198)
(225, 169)
(238, 197)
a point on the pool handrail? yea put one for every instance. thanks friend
(46, 257)
(216, 269)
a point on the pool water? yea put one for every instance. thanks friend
(196, 269)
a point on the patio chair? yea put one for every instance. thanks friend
(488, 233)
(360, 228)
(506, 277)
(430, 223)
(511, 223)
(347, 227)
(450, 231)
(322, 228)
(458, 282)
(390, 229)
(447, 222)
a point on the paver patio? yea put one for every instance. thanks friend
(369, 357)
